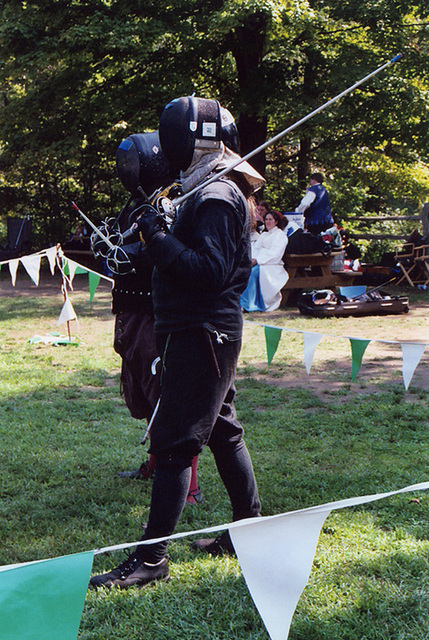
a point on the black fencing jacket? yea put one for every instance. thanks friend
(203, 265)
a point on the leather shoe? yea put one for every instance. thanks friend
(216, 546)
(143, 574)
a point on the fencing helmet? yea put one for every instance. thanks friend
(230, 136)
(190, 123)
(140, 162)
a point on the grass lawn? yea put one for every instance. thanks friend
(65, 432)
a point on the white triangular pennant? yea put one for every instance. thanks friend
(67, 313)
(13, 268)
(276, 557)
(51, 254)
(411, 355)
(32, 267)
(72, 268)
(311, 340)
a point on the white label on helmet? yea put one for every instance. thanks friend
(193, 125)
(226, 116)
(209, 130)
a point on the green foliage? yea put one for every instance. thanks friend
(77, 77)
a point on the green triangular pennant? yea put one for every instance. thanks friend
(358, 349)
(93, 281)
(272, 339)
(78, 270)
(44, 599)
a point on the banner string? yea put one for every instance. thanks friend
(330, 335)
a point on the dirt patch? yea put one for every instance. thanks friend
(331, 368)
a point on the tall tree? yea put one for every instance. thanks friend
(78, 75)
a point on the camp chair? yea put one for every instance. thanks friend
(405, 260)
(421, 257)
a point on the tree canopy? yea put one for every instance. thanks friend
(77, 76)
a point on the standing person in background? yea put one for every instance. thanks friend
(315, 206)
(202, 265)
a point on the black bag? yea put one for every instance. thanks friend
(304, 242)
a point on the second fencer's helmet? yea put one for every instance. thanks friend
(230, 136)
(191, 123)
(140, 163)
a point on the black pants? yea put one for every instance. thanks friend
(135, 342)
(196, 409)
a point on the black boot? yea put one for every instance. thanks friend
(145, 573)
(120, 572)
(216, 546)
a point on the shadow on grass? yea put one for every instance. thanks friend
(378, 597)
(62, 445)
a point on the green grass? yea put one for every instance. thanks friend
(65, 432)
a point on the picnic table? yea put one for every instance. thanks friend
(313, 271)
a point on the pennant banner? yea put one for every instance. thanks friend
(272, 339)
(72, 268)
(412, 352)
(358, 349)
(276, 561)
(13, 268)
(51, 255)
(44, 600)
(311, 340)
(32, 267)
(275, 553)
(93, 282)
(67, 313)
(411, 356)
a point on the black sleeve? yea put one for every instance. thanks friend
(218, 227)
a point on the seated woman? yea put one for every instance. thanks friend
(268, 276)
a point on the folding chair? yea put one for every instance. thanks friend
(421, 257)
(405, 260)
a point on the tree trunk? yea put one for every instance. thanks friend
(253, 132)
(304, 154)
(247, 46)
(303, 164)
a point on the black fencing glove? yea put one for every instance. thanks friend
(150, 224)
(162, 246)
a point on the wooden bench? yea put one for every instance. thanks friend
(313, 271)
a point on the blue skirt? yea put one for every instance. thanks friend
(251, 299)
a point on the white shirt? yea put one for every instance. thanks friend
(270, 247)
(307, 200)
